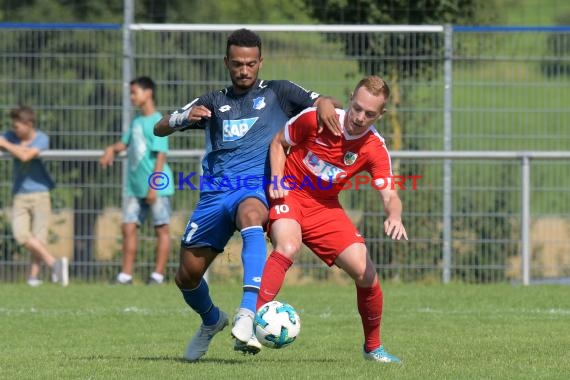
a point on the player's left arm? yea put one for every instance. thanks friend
(158, 167)
(326, 114)
(294, 99)
(393, 225)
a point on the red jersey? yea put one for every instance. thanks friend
(318, 164)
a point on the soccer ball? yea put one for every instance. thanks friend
(276, 324)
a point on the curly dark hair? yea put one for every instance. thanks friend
(245, 38)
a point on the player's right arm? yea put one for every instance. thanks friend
(295, 131)
(109, 154)
(182, 119)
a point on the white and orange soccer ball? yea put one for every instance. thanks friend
(276, 324)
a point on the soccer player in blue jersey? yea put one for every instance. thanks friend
(240, 122)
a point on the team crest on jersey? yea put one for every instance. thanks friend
(259, 103)
(350, 158)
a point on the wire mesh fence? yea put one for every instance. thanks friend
(509, 90)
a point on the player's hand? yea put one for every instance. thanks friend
(198, 113)
(107, 158)
(327, 116)
(395, 229)
(276, 189)
(2, 142)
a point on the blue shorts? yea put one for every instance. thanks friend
(214, 220)
(135, 210)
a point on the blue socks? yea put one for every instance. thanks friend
(253, 260)
(199, 300)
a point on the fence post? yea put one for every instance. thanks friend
(129, 12)
(447, 146)
(525, 218)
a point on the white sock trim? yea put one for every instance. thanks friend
(251, 227)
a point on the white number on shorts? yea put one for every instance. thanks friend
(281, 209)
(193, 228)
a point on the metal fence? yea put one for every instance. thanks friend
(454, 89)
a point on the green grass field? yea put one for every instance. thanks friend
(440, 332)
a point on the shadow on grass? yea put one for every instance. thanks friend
(178, 359)
(241, 360)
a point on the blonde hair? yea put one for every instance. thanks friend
(375, 85)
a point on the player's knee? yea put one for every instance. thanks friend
(129, 229)
(251, 215)
(365, 276)
(185, 279)
(162, 231)
(289, 248)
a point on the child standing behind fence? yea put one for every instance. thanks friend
(31, 186)
(146, 155)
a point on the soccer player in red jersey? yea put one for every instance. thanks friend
(305, 206)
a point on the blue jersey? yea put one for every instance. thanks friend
(241, 128)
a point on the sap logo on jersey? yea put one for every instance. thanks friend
(236, 129)
(322, 169)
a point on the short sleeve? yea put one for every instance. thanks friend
(380, 167)
(159, 144)
(126, 138)
(292, 97)
(300, 127)
(11, 137)
(41, 142)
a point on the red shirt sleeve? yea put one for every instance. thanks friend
(298, 128)
(380, 165)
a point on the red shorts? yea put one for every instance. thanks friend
(326, 228)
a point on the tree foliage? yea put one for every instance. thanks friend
(156, 11)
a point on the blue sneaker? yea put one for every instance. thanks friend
(379, 355)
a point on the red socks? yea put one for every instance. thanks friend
(273, 276)
(369, 299)
(370, 309)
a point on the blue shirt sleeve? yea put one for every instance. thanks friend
(292, 97)
(41, 141)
